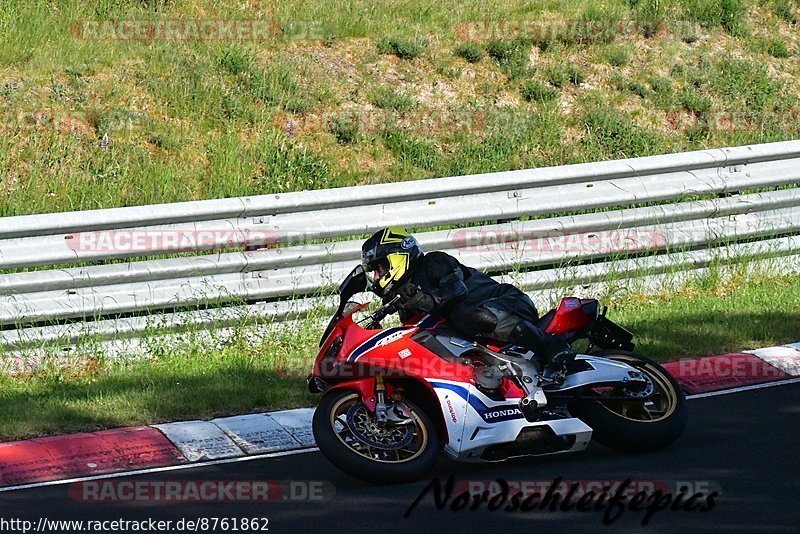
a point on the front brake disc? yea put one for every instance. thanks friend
(387, 437)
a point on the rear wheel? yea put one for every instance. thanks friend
(648, 419)
(350, 437)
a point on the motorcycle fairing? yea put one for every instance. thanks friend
(476, 422)
(394, 353)
(360, 341)
(384, 337)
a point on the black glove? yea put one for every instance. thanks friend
(413, 298)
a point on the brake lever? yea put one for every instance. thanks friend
(383, 311)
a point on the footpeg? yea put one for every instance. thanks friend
(529, 408)
(552, 377)
(555, 371)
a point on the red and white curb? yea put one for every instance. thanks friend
(73, 455)
(726, 371)
(126, 449)
(786, 361)
(239, 435)
(193, 443)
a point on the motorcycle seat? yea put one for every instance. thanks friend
(545, 320)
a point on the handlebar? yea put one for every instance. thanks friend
(378, 315)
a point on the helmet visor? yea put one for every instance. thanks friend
(375, 270)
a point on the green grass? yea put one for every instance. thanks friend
(689, 34)
(411, 151)
(205, 119)
(730, 14)
(605, 15)
(705, 316)
(662, 93)
(617, 55)
(627, 84)
(786, 11)
(777, 48)
(744, 83)
(471, 52)
(561, 74)
(390, 98)
(534, 91)
(171, 385)
(576, 75)
(714, 317)
(511, 57)
(345, 131)
(402, 48)
(616, 137)
(692, 100)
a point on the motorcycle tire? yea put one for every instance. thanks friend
(612, 427)
(367, 465)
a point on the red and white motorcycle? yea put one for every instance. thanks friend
(394, 398)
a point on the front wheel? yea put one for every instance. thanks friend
(635, 421)
(350, 437)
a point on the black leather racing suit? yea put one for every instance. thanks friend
(477, 305)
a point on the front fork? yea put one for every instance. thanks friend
(395, 414)
(374, 392)
(380, 406)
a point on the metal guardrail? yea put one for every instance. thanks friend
(314, 238)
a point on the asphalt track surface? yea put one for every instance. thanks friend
(746, 445)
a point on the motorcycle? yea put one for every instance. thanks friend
(394, 398)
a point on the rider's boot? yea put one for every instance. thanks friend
(555, 353)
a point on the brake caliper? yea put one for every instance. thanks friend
(396, 414)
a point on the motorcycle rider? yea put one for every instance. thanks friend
(437, 283)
